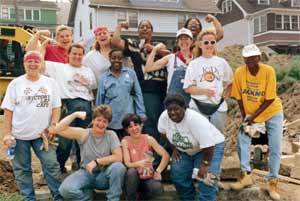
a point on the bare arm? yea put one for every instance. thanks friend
(116, 39)
(217, 24)
(262, 108)
(162, 152)
(7, 127)
(55, 115)
(63, 129)
(157, 65)
(116, 156)
(194, 90)
(33, 43)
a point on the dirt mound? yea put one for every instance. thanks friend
(7, 179)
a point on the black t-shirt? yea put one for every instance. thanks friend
(152, 82)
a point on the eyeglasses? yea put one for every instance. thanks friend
(207, 42)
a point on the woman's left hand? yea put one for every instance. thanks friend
(157, 176)
(90, 167)
(203, 171)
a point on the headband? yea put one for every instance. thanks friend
(33, 56)
(97, 29)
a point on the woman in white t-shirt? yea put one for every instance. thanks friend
(176, 64)
(98, 59)
(196, 143)
(209, 79)
(31, 104)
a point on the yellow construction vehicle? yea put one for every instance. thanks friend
(13, 40)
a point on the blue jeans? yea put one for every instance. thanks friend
(80, 185)
(23, 172)
(182, 170)
(274, 128)
(65, 145)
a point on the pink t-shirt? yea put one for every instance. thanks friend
(141, 151)
(56, 53)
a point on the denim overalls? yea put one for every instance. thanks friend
(177, 80)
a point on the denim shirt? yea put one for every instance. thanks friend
(123, 94)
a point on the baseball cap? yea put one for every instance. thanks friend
(250, 50)
(184, 31)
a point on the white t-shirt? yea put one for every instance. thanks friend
(170, 67)
(97, 62)
(192, 134)
(210, 73)
(31, 104)
(73, 82)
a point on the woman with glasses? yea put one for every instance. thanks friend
(208, 79)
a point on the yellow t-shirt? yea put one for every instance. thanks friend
(254, 90)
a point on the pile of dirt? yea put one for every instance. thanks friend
(7, 179)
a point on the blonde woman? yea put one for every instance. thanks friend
(208, 79)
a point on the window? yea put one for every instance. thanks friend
(12, 13)
(36, 15)
(260, 24)
(295, 3)
(133, 19)
(295, 23)
(28, 14)
(286, 22)
(80, 28)
(121, 16)
(181, 20)
(278, 22)
(21, 14)
(91, 21)
(263, 2)
(226, 6)
(4, 13)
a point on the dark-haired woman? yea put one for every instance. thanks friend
(196, 143)
(138, 157)
(120, 89)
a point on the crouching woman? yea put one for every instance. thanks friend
(138, 157)
(196, 143)
(101, 157)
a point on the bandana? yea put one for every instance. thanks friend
(97, 29)
(33, 56)
(181, 57)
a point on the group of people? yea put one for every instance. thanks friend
(127, 103)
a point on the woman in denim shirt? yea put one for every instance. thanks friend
(120, 89)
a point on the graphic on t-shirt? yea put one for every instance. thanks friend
(81, 79)
(209, 74)
(41, 97)
(79, 83)
(253, 91)
(180, 141)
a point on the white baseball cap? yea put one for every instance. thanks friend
(184, 31)
(250, 50)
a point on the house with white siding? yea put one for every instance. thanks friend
(270, 23)
(167, 16)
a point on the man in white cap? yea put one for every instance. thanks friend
(254, 88)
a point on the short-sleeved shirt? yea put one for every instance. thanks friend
(56, 53)
(73, 82)
(208, 73)
(152, 82)
(192, 134)
(96, 147)
(254, 90)
(97, 62)
(31, 104)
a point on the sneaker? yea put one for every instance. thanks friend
(244, 181)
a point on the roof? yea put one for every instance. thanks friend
(252, 6)
(198, 6)
(31, 3)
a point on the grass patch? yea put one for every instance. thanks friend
(10, 197)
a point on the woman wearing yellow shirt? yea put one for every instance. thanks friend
(254, 87)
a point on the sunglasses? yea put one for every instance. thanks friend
(206, 42)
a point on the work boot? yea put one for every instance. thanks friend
(272, 189)
(244, 181)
